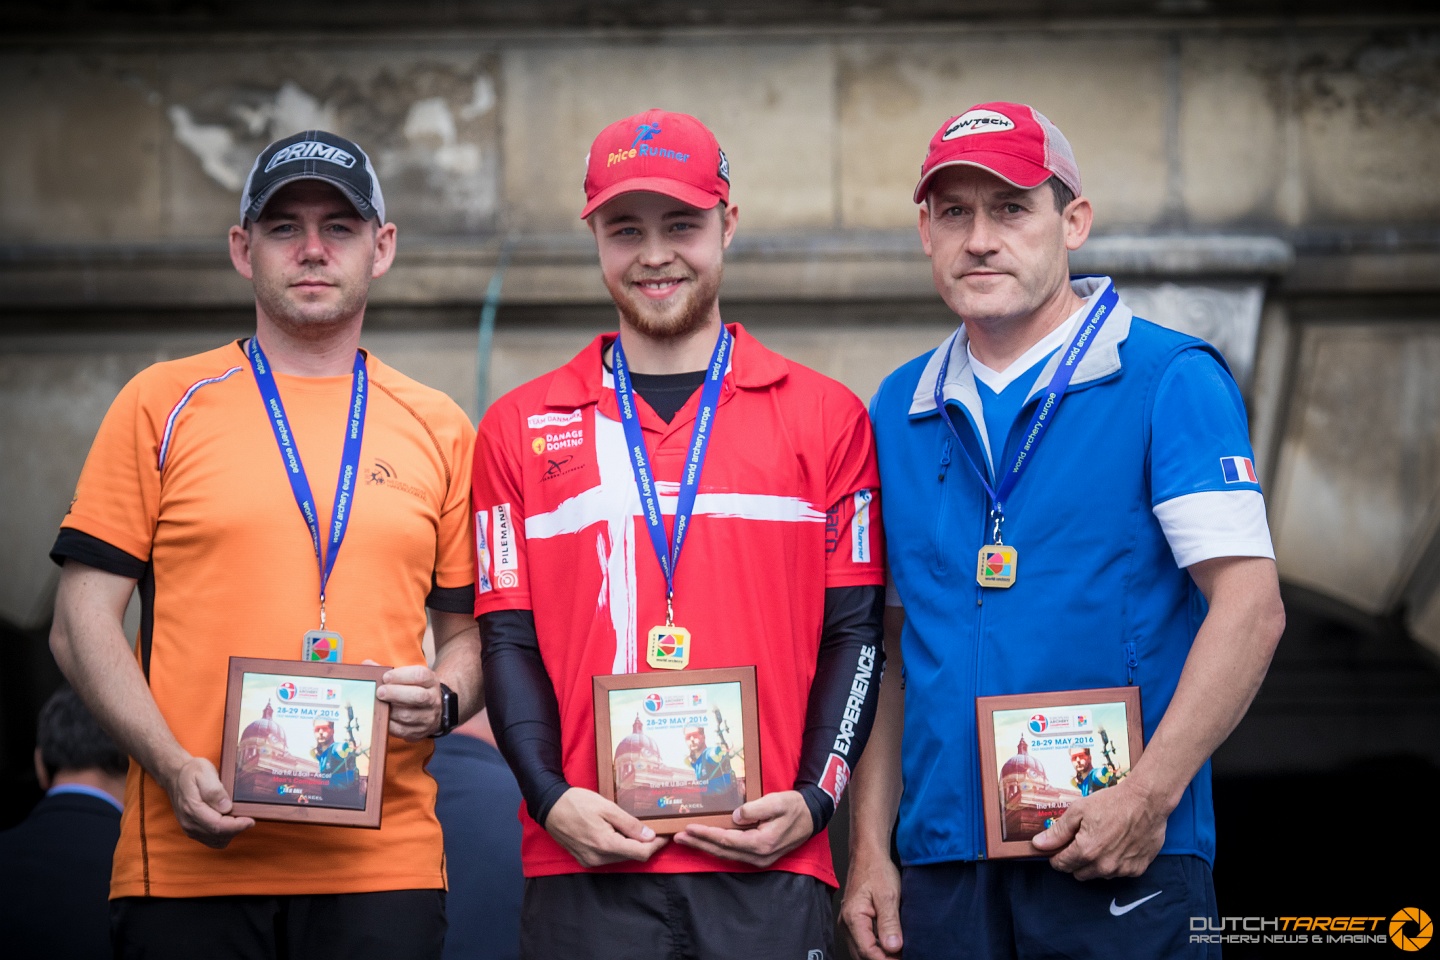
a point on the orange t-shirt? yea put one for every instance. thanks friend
(185, 477)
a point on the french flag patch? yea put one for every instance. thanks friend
(1238, 470)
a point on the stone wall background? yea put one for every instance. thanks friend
(1267, 175)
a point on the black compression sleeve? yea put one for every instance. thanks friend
(843, 697)
(523, 710)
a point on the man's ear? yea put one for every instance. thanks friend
(729, 219)
(240, 251)
(925, 226)
(1078, 217)
(41, 773)
(385, 238)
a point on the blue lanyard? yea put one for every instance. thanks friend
(295, 470)
(1044, 410)
(669, 555)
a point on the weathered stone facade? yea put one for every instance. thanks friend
(1270, 182)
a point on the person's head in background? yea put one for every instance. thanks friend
(73, 749)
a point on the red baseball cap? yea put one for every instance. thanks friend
(659, 152)
(1011, 140)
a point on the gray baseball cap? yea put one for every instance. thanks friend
(313, 155)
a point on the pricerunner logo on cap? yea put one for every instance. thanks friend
(311, 150)
(978, 121)
(639, 148)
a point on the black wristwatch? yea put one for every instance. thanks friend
(449, 711)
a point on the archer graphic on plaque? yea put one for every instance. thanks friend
(306, 744)
(1050, 758)
(676, 753)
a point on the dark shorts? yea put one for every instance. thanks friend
(677, 916)
(1026, 910)
(395, 925)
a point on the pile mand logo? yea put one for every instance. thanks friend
(1038, 723)
(1410, 929)
(977, 121)
(507, 557)
(639, 147)
(311, 150)
(653, 703)
(286, 691)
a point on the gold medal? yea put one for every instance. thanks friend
(669, 648)
(322, 646)
(997, 566)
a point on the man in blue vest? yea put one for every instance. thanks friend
(1071, 504)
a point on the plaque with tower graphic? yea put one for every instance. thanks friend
(1041, 752)
(675, 749)
(304, 741)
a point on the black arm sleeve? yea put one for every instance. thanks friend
(523, 710)
(843, 697)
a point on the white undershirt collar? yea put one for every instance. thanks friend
(998, 380)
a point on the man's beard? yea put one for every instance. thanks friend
(685, 319)
(307, 320)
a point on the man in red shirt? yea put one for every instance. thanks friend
(679, 432)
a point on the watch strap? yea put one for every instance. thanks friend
(449, 711)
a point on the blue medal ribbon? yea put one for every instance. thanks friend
(295, 469)
(666, 553)
(1044, 410)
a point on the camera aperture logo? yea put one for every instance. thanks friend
(1409, 929)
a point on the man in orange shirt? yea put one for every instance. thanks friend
(188, 493)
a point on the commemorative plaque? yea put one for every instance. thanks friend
(305, 741)
(678, 748)
(1040, 752)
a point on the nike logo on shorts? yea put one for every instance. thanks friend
(1118, 911)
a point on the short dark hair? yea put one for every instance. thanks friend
(70, 738)
(1063, 194)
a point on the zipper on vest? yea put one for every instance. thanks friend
(937, 539)
(977, 819)
(1131, 662)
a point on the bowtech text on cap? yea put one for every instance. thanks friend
(1013, 141)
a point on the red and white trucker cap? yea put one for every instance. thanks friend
(659, 152)
(1011, 140)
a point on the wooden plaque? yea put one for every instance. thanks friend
(1040, 752)
(305, 741)
(675, 748)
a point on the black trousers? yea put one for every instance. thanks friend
(677, 916)
(393, 925)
